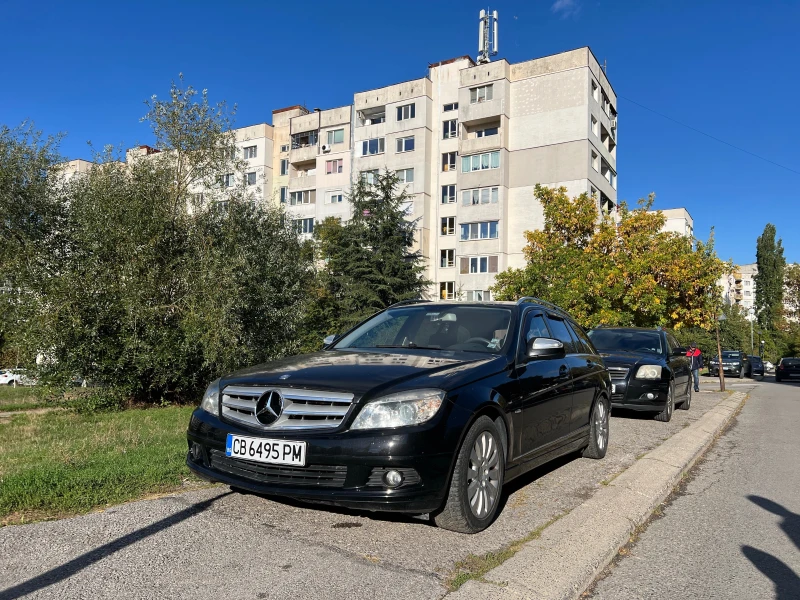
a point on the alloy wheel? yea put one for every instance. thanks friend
(483, 475)
(601, 425)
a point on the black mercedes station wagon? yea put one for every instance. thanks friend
(422, 408)
(649, 369)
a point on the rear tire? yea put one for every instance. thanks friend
(477, 480)
(686, 404)
(665, 415)
(598, 431)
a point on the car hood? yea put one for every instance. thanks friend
(363, 372)
(631, 359)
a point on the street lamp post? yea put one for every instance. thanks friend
(717, 319)
(751, 316)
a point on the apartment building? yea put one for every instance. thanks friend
(678, 221)
(739, 287)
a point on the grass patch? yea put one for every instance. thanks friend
(65, 462)
(476, 566)
(19, 398)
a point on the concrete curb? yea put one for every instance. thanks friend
(572, 552)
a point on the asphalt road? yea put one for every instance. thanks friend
(214, 543)
(733, 531)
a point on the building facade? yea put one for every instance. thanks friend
(678, 220)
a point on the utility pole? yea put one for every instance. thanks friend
(717, 319)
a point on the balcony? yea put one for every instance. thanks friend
(307, 182)
(471, 144)
(301, 154)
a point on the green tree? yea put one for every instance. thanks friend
(791, 288)
(625, 273)
(367, 263)
(769, 279)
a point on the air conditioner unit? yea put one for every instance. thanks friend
(326, 148)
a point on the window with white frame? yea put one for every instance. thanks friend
(480, 162)
(448, 194)
(370, 176)
(198, 198)
(333, 166)
(405, 144)
(284, 194)
(486, 132)
(448, 225)
(302, 197)
(336, 136)
(251, 178)
(484, 230)
(406, 111)
(487, 195)
(481, 93)
(284, 166)
(405, 175)
(478, 296)
(595, 129)
(447, 258)
(449, 161)
(284, 147)
(595, 91)
(595, 161)
(335, 197)
(373, 146)
(449, 129)
(304, 225)
(250, 151)
(227, 180)
(447, 290)
(478, 264)
(449, 107)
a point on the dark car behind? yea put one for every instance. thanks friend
(734, 362)
(788, 369)
(756, 366)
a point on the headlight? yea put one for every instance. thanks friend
(398, 410)
(210, 401)
(648, 372)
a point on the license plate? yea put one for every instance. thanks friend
(613, 388)
(275, 452)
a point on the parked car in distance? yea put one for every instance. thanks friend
(734, 362)
(768, 366)
(15, 376)
(649, 369)
(788, 368)
(425, 407)
(756, 366)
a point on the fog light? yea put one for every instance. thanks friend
(651, 396)
(393, 478)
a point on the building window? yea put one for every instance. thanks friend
(373, 146)
(284, 194)
(478, 264)
(479, 296)
(485, 230)
(608, 173)
(447, 258)
(449, 107)
(303, 197)
(595, 93)
(450, 129)
(372, 116)
(405, 144)
(251, 178)
(370, 176)
(250, 152)
(487, 132)
(447, 290)
(305, 139)
(480, 196)
(448, 225)
(593, 192)
(285, 148)
(284, 166)
(449, 161)
(304, 225)
(448, 194)
(335, 197)
(227, 180)
(747, 292)
(594, 126)
(480, 162)
(198, 198)
(336, 136)
(405, 175)
(595, 161)
(405, 112)
(747, 283)
(333, 166)
(481, 93)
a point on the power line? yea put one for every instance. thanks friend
(708, 135)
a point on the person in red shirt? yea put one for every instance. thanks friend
(694, 354)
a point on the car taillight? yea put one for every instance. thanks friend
(780, 366)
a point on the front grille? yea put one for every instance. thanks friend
(302, 409)
(618, 373)
(332, 476)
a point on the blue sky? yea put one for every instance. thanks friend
(727, 68)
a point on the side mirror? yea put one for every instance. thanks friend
(679, 352)
(545, 348)
(329, 339)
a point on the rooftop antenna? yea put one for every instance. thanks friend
(487, 36)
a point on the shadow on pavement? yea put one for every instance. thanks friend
(786, 581)
(83, 561)
(790, 523)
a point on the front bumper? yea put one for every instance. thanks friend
(713, 370)
(342, 468)
(640, 394)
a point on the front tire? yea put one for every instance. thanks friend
(477, 481)
(666, 415)
(598, 432)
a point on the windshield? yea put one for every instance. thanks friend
(609, 340)
(445, 327)
(732, 355)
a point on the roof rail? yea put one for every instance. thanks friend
(403, 302)
(544, 303)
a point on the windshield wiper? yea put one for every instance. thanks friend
(411, 346)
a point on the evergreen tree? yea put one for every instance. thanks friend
(769, 279)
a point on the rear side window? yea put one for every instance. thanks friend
(561, 333)
(583, 343)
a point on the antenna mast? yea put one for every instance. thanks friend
(487, 36)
